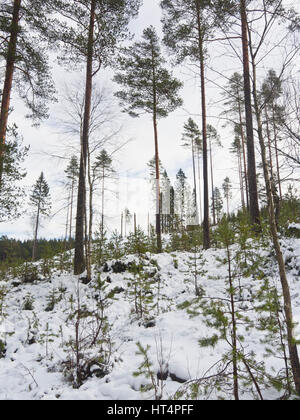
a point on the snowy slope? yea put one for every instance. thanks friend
(32, 367)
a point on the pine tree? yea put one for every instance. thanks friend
(142, 70)
(72, 173)
(23, 31)
(271, 92)
(227, 186)
(213, 139)
(188, 26)
(235, 110)
(192, 138)
(183, 202)
(88, 32)
(41, 202)
(218, 203)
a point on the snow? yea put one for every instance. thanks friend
(33, 371)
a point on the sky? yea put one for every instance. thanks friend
(133, 190)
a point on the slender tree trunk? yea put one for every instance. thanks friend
(253, 195)
(71, 208)
(36, 233)
(195, 184)
(206, 224)
(293, 351)
(67, 221)
(234, 330)
(212, 184)
(244, 153)
(122, 222)
(158, 206)
(90, 223)
(200, 195)
(9, 72)
(102, 211)
(276, 154)
(79, 260)
(240, 169)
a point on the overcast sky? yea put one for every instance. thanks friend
(131, 162)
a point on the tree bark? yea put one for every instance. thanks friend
(206, 224)
(8, 81)
(252, 181)
(79, 260)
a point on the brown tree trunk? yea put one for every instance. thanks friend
(79, 260)
(10, 66)
(157, 172)
(253, 195)
(244, 154)
(293, 352)
(206, 224)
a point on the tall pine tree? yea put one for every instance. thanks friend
(142, 70)
(41, 202)
(89, 32)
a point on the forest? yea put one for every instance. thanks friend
(150, 200)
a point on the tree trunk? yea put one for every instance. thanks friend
(244, 153)
(36, 233)
(195, 185)
(206, 227)
(293, 352)
(252, 181)
(212, 184)
(276, 154)
(200, 199)
(158, 206)
(71, 208)
(10, 66)
(79, 260)
(234, 330)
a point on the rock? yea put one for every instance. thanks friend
(177, 379)
(162, 376)
(106, 268)
(85, 280)
(150, 324)
(119, 267)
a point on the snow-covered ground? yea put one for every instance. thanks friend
(35, 351)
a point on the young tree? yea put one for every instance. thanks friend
(89, 31)
(41, 202)
(25, 60)
(142, 70)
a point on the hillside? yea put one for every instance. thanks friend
(148, 299)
